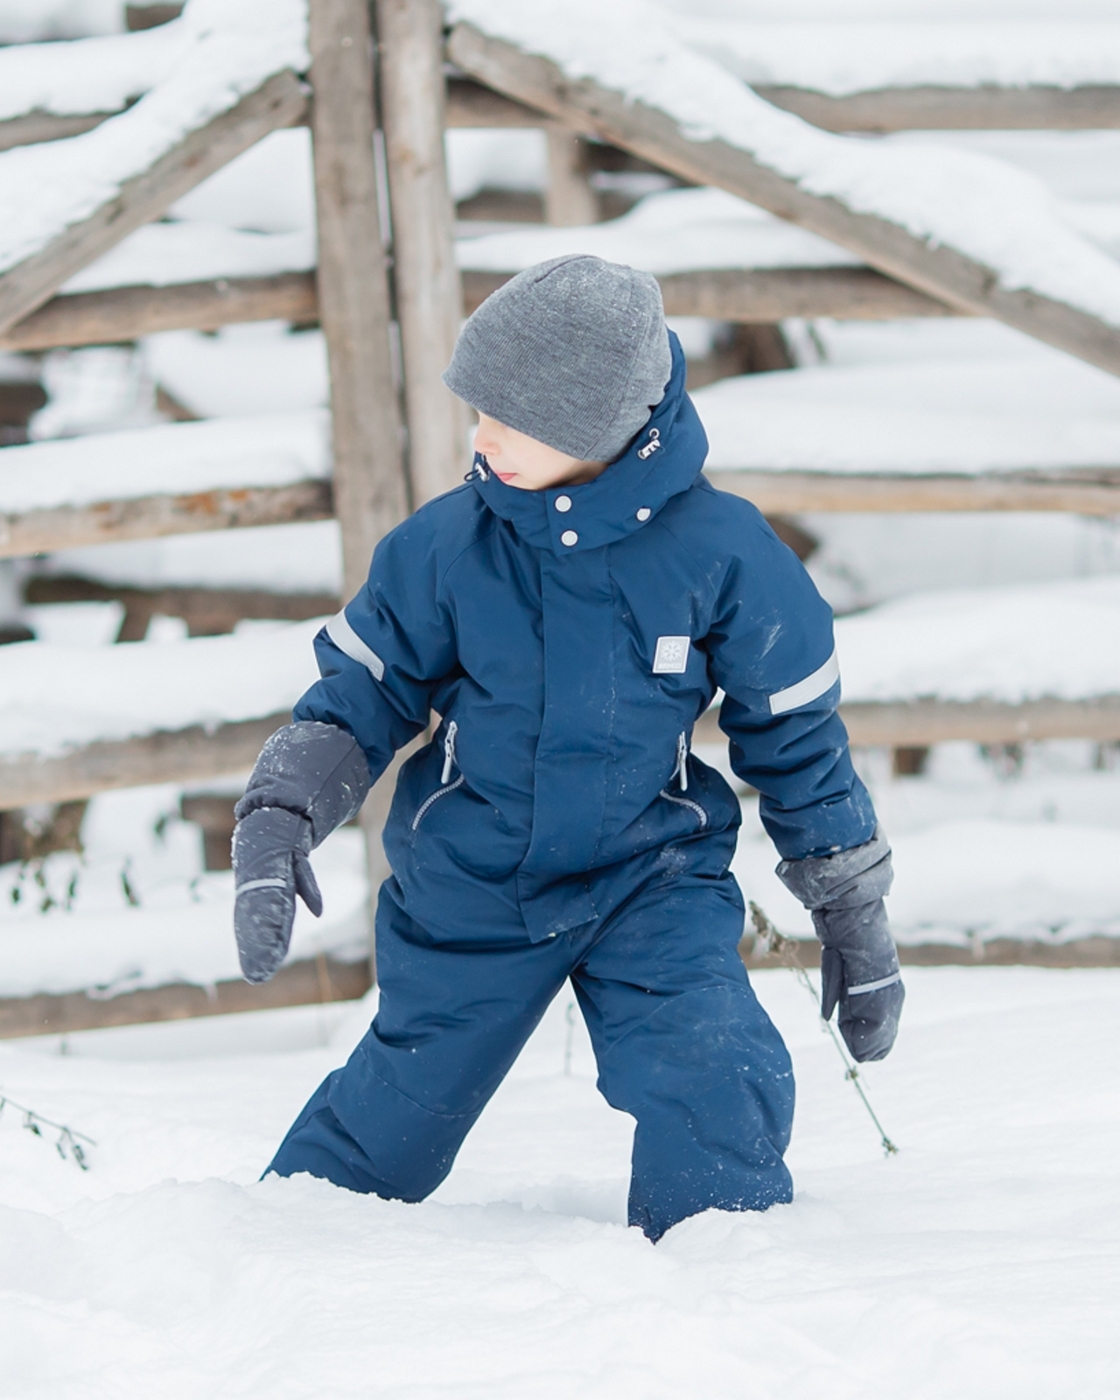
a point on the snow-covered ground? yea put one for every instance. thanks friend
(982, 1261)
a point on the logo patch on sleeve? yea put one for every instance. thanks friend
(671, 657)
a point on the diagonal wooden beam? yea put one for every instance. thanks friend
(279, 102)
(654, 134)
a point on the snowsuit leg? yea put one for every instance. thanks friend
(683, 1046)
(452, 1018)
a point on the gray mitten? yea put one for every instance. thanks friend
(309, 779)
(859, 961)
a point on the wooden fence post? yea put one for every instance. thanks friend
(429, 296)
(569, 200)
(370, 488)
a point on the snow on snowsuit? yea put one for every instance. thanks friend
(557, 825)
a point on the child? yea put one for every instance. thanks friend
(568, 614)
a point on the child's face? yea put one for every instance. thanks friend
(522, 461)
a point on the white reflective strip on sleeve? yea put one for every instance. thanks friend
(875, 986)
(811, 688)
(278, 884)
(346, 639)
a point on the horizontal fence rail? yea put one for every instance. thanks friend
(149, 517)
(166, 756)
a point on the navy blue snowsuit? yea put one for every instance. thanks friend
(557, 825)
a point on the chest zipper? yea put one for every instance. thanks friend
(448, 765)
(680, 772)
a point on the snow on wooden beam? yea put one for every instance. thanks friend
(279, 102)
(127, 313)
(653, 133)
(148, 517)
(954, 108)
(308, 981)
(1089, 492)
(165, 756)
(919, 723)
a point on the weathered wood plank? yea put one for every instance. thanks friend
(890, 724)
(165, 756)
(279, 102)
(148, 517)
(930, 108)
(1096, 950)
(469, 103)
(650, 132)
(569, 200)
(370, 485)
(34, 127)
(127, 313)
(730, 294)
(429, 298)
(208, 612)
(1083, 492)
(306, 982)
(766, 295)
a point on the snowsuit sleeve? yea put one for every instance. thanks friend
(772, 651)
(383, 655)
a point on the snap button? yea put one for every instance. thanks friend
(644, 513)
(569, 537)
(563, 503)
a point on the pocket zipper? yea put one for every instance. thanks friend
(445, 786)
(680, 772)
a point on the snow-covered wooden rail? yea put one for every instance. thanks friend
(990, 106)
(306, 981)
(173, 479)
(774, 175)
(24, 286)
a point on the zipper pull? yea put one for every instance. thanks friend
(682, 760)
(449, 750)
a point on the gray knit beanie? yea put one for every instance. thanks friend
(573, 352)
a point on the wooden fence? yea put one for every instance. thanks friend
(398, 435)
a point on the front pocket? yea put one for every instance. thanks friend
(446, 785)
(701, 815)
(680, 772)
